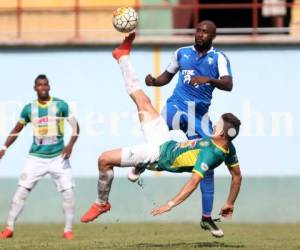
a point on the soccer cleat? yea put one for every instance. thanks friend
(6, 233)
(68, 235)
(94, 211)
(134, 173)
(125, 47)
(209, 224)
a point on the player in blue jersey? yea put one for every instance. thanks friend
(48, 153)
(201, 68)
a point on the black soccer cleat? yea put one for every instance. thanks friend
(209, 224)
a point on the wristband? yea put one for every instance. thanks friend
(171, 204)
(4, 148)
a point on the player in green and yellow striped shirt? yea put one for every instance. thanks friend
(47, 155)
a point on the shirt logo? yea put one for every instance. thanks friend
(186, 56)
(187, 75)
(203, 143)
(210, 60)
(190, 144)
(204, 167)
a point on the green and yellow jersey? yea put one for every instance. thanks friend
(195, 156)
(48, 126)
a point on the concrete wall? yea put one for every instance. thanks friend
(54, 20)
(265, 97)
(260, 200)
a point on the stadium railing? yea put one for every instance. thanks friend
(78, 23)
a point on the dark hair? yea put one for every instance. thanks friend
(231, 125)
(41, 77)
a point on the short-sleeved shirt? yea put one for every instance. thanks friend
(189, 63)
(48, 126)
(197, 156)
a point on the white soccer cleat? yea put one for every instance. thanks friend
(217, 233)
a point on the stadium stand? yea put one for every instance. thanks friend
(49, 22)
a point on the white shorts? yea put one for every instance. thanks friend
(58, 168)
(156, 133)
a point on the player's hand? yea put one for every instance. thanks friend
(160, 210)
(2, 153)
(227, 211)
(66, 153)
(198, 80)
(149, 80)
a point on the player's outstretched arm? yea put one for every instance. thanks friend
(11, 138)
(75, 133)
(224, 83)
(185, 192)
(161, 80)
(236, 180)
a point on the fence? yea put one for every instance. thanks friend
(82, 20)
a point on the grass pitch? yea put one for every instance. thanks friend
(155, 236)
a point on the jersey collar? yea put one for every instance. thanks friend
(219, 147)
(210, 50)
(44, 105)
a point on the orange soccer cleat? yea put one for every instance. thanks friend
(94, 211)
(68, 235)
(6, 233)
(125, 47)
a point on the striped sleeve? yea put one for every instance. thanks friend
(25, 115)
(223, 65)
(173, 66)
(64, 108)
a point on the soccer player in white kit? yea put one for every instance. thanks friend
(48, 154)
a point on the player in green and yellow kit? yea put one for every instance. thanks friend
(48, 154)
(163, 154)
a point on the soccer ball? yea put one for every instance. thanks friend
(125, 19)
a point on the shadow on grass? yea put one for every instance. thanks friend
(186, 245)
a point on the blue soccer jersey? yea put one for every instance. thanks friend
(190, 64)
(194, 101)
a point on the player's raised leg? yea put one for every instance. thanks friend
(146, 111)
(150, 119)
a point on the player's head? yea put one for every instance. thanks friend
(205, 34)
(227, 127)
(42, 87)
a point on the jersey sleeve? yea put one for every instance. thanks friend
(173, 66)
(224, 67)
(25, 115)
(65, 110)
(206, 160)
(231, 159)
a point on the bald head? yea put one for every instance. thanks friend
(210, 25)
(205, 34)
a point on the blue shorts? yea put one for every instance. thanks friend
(195, 125)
